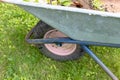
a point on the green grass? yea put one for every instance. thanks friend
(21, 61)
(97, 5)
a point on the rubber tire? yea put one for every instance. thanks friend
(39, 31)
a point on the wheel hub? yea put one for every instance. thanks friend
(61, 49)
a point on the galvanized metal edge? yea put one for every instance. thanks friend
(80, 10)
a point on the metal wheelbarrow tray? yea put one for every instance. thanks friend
(87, 25)
(84, 27)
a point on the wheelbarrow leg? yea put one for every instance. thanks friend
(99, 62)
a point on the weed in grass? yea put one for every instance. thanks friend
(97, 5)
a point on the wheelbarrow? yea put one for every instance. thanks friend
(65, 33)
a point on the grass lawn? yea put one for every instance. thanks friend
(22, 61)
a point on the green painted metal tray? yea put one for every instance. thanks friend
(77, 23)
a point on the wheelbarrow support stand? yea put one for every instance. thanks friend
(89, 52)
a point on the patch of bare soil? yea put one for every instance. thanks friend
(107, 5)
(86, 4)
(81, 4)
(111, 5)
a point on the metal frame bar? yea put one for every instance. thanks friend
(69, 40)
(65, 40)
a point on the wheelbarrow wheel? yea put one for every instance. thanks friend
(61, 51)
